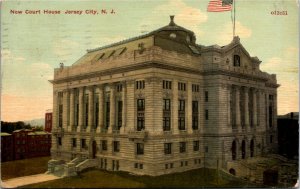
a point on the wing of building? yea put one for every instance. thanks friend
(160, 103)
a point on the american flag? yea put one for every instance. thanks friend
(219, 5)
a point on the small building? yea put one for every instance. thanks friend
(20, 143)
(48, 121)
(6, 147)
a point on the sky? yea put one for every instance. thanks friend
(32, 45)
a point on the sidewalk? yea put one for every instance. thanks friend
(21, 181)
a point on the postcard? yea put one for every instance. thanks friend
(151, 93)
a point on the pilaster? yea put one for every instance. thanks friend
(72, 101)
(81, 108)
(175, 107)
(112, 123)
(90, 125)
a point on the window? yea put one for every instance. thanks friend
(206, 96)
(73, 142)
(206, 149)
(140, 123)
(206, 114)
(186, 163)
(168, 148)
(166, 124)
(166, 115)
(141, 105)
(140, 84)
(236, 60)
(166, 166)
(271, 97)
(195, 88)
(120, 108)
(58, 141)
(171, 165)
(60, 115)
(181, 115)
(116, 146)
(86, 101)
(181, 86)
(107, 114)
(195, 115)
(104, 145)
(196, 145)
(139, 148)
(167, 105)
(83, 143)
(182, 147)
(141, 166)
(136, 165)
(181, 163)
(140, 114)
(167, 84)
(119, 87)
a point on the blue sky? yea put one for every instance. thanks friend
(33, 45)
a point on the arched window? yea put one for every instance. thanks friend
(236, 60)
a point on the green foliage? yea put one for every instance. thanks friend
(9, 127)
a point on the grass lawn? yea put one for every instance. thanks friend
(98, 179)
(24, 167)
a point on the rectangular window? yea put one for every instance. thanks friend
(236, 60)
(141, 166)
(60, 115)
(83, 143)
(168, 148)
(206, 96)
(140, 84)
(206, 114)
(140, 104)
(74, 142)
(182, 147)
(167, 105)
(195, 88)
(167, 84)
(86, 110)
(104, 145)
(166, 124)
(196, 145)
(139, 148)
(195, 115)
(271, 139)
(116, 146)
(107, 114)
(119, 87)
(120, 109)
(96, 112)
(140, 123)
(181, 86)
(181, 115)
(136, 165)
(166, 166)
(171, 165)
(166, 114)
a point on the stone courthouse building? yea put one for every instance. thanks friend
(161, 103)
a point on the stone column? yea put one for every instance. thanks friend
(254, 109)
(72, 112)
(124, 91)
(65, 109)
(90, 126)
(112, 122)
(246, 91)
(229, 87)
(175, 107)
(101, 109)
(189, 109)
(81, 108)
(237, 107)
(55, 110)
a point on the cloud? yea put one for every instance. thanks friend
(8, 57)
(186, 16)
(286, 68)
(225, 35)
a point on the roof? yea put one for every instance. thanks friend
(19, 130)
(5, 134)
(39, 133)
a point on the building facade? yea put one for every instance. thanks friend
(27, 143)
(6, 147)
(160, 103)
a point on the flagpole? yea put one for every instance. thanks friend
(233, 18)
